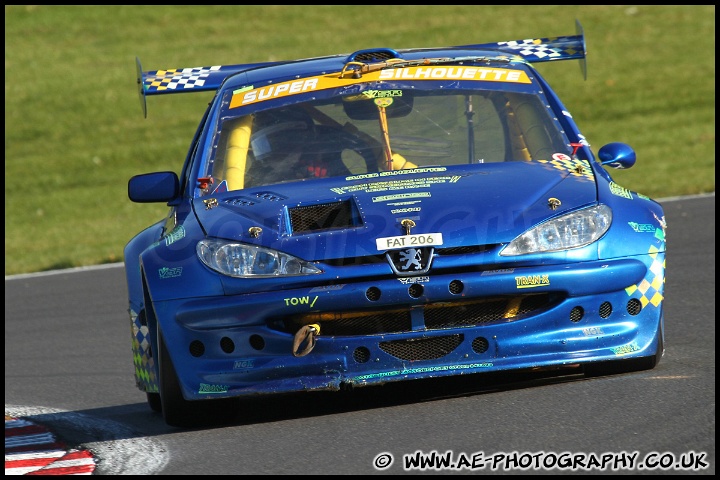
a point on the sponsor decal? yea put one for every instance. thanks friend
(176, 234)
(405, 210)
(455, 73)
(532, 281)
(408, 371)
(167, 272)
(243, 364)
(642, 227)
(629, 348)
(497, 272)
(401, 196)
(411, 280)
(207, 388)
(381, 93)
(249, 96)
(616, 189)
(327, 288)
(590, 331)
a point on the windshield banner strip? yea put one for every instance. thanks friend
(247, 96)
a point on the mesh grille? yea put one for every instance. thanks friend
(197, 349)
(321, 217)
(634, 306)
(361, 355)
(465, 250)
(605, 310)
(374, 56)
(346, 261)
(487, 311)
(440, 315)
(422, 348)
(360, 323)
(480, 345)
(227, 345)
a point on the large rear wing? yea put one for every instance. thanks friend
(199, 79)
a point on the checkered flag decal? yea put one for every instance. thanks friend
(186, 78)
(538, 49)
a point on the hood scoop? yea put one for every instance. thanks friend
(373, 55)
(324, 216)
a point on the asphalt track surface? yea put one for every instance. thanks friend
(69, 379)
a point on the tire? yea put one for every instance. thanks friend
(179, 412)
(176, 411)
(153, 399)
(614, 367)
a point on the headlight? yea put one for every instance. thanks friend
(573, 230)
(242, 260)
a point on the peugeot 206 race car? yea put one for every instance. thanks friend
(383, 216)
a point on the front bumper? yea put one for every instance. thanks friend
(402, 328)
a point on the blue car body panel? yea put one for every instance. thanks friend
(472, 308)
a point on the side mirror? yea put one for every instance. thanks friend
(617, 155)
(153, 187)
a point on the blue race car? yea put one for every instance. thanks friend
(383, 216)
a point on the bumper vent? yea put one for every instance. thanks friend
(435, 316)
(422, 348)
(483, 312)
(353, 323)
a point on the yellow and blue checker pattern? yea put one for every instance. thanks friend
(546, 49)
(576, 167)
(652, 286)
(178, 79)
(143, 360)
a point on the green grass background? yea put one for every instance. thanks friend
(74, 130)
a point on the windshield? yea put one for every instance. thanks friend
(380, 130)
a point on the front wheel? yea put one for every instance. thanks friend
(153, 400)
(176, 410)
(613, 367)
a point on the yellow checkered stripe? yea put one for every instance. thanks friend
(177, 79)
(576, 167)
(652, 286)
(143, 360)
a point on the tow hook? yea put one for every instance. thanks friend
(305, 336)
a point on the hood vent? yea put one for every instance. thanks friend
(239, 201)
(270, 196)
(325, 216)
